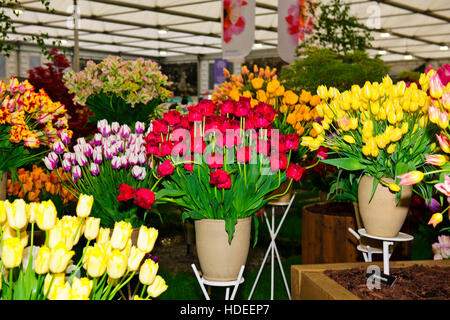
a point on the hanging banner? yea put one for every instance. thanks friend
(295, 21)
(219, 65)
(238, 29)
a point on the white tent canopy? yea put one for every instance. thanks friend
(406, 29)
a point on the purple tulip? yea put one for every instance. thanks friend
(108, 153)
(133, 159)
(139, 127)
(58, 147)
(53, 157)
(81, 159)
(115, 126)
(76, 172)
(104, 128)
(87, 150)
(138, 172)
(97, 139)
(142, 158)
(125, 131)
(97, 155)
(124, 161)
(51, 165)
(94, 168)
(116, 162)
(64, 136)
(78, 148)
(66, 165)
(132, 139)
(435, 206)
(73, 158)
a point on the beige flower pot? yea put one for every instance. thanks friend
(3, 185)
(381, 216)
(220, 260)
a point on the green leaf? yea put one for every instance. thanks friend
(351, 164)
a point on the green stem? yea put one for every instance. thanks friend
(143, 290)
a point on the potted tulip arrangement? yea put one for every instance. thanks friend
(381, 131)
(294, 113)
(29, 121)
(222, 162)
(47, 271)
(119, 90)
(114, 168)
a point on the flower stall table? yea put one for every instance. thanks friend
(273, 247)
(386, 243)
(226, 284)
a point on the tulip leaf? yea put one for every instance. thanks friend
(350, 164)
(401, 168)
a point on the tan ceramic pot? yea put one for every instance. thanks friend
(3, 185)
(220, 260)
(381, 216)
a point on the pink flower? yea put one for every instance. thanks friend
(165, 169)
(410, 178)
(444, 142)
(436, 88)
(444, 187)
(233, 21)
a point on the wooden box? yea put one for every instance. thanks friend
(308, 282)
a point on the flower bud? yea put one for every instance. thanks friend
(46, 215)
(117, 264)
(135, 258)
(147, 238)
(59, 258)
(92, 228)
(121, 234)
(58, 147)
(84, 205)
(12, 252)
(41, 264)
(139, 127)
(96, 261)
(16, 213)
(157, 287)
(148, 271)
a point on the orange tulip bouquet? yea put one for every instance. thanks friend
(28, 122)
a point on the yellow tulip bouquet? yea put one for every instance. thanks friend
(380, 129)
(437, 84)
(47, 272)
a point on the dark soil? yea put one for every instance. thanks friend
(417, 282)
(332, 208)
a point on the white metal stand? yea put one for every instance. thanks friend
(273, 248)
(226, 284)
(367, 251)
(386, 243)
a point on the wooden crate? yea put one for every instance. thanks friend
(308, 282)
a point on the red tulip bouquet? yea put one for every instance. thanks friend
(113, 167)
(222, 161)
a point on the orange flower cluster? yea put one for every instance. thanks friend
(259, 85)
(36, 182)
(34, 118)
(303, 112)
